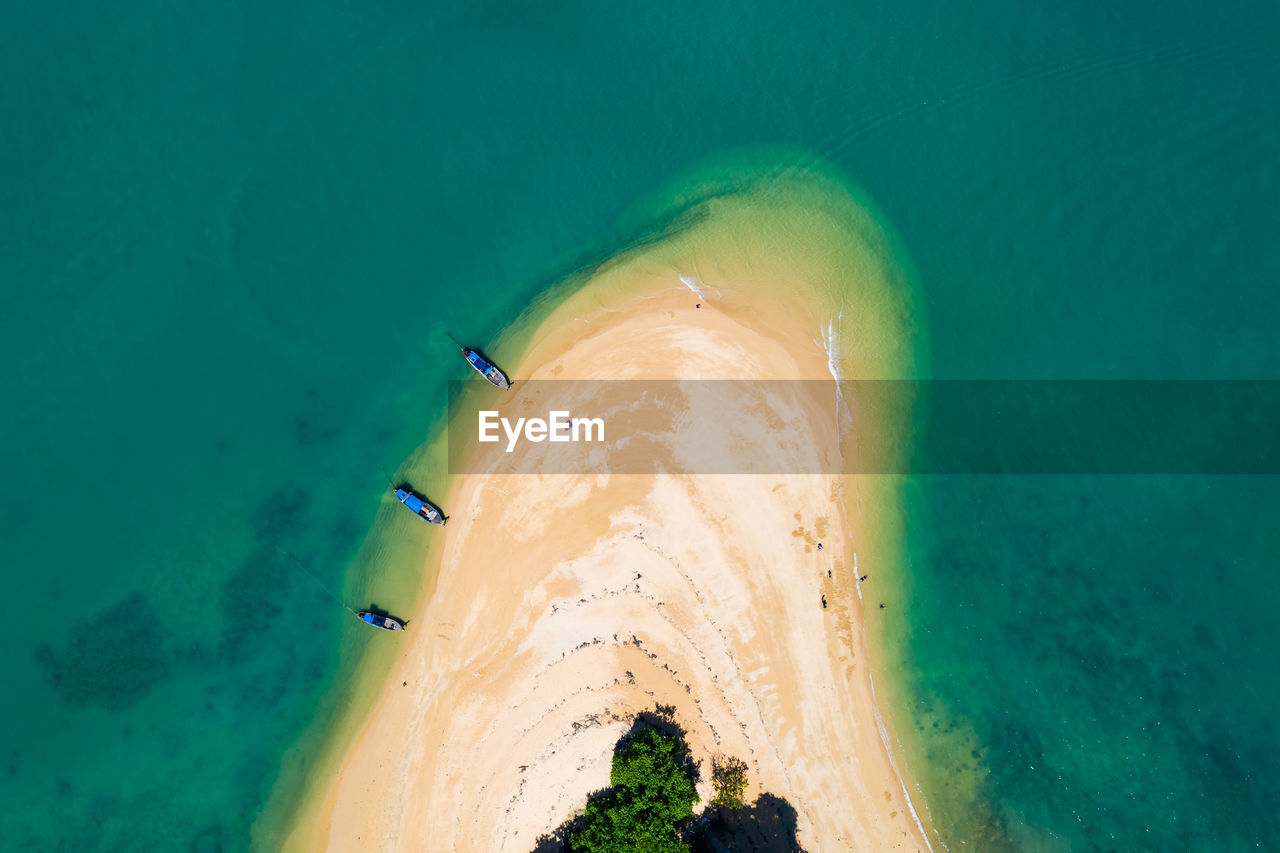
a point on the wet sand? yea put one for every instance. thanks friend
(565, 605)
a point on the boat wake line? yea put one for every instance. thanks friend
(319, 582)
(369, 617)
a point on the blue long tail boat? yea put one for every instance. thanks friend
(386, 623)
(421, 507)
(486, 368)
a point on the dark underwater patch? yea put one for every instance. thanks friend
(279, 517)
(247, 602)
(112, 660)
(264, 578)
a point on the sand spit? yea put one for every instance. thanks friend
(565, 605)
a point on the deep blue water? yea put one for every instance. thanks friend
(233, 235)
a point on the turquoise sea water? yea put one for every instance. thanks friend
(232, 236)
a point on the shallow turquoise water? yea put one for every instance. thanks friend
(1106, 639)
(233, 235)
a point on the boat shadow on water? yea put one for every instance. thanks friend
(419, 504)
(378, 618)
(486, 368)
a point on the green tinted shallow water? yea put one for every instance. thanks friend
(232, 234)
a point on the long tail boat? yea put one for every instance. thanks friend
(486, 368)
(421, 507)
(386, 623)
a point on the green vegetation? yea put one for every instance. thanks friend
(648, 807)
(652, 795)
(729, 778)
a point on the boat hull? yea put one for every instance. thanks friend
(486, 368)
(386, 623)
(420, 506)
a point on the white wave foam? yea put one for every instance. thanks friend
(691, 282)
(830, 344)
(884, 738)
(857, 584)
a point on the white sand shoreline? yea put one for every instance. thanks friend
(566, 605)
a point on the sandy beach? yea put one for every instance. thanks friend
(566, 605)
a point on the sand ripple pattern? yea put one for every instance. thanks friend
(567, 605)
